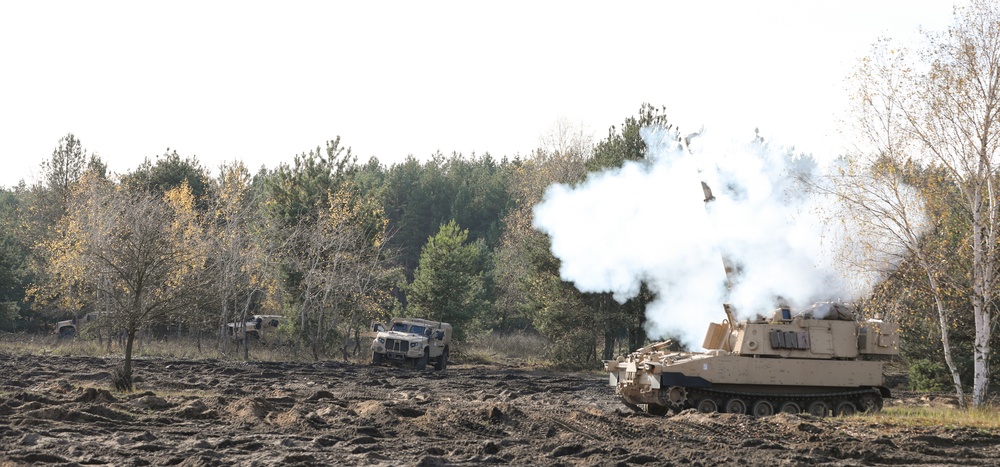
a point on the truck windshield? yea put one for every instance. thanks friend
(399, 327)
(417, 329)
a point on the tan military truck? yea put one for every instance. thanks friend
(412, 340)
(72, 327)
(255, 328)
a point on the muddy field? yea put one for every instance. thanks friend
(58, 410)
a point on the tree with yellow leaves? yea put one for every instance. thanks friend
(137, 252)
(241, 251)
(942, 110)
(342, 265)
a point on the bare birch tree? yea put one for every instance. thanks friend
(241, 251)
(942, 109)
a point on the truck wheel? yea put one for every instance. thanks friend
(376, 358)
(442, 361)
(421, 363)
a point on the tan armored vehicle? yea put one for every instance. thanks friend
(411, 340)
(813, 360)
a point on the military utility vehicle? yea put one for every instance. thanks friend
(255, 328)
(818, 360)
(412, 341)
(71, 327)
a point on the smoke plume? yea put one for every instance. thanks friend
(648, 221)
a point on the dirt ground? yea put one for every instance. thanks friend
(58, 410)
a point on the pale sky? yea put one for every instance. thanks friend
(263, 81)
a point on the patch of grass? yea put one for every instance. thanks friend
(984, 418)
(171, 348)
(520, 348)
(35, 344)
(32, 344)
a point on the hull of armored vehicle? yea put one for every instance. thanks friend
(819, 366)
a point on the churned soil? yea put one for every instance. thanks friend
(59, 410)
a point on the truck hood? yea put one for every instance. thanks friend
(399, 335)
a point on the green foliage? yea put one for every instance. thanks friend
(338, 268)
(569, 319)
(12, 255)
(448, 284)
(15, 272)
(295, 197)
(49, 199)
(65, 167)
(12, 280)
(419, 197)
(575, 349)
(929, 375)
(171, 171)
(297, 193)
(8, 316)
(625, 143)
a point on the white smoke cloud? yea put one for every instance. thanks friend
(648, 222)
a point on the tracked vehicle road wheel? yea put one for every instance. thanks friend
(791, 407)
(871, 403)
(677, 396)
(707, 406)
(736, 405)
(762, 409)
(845, 409)
(818, 408)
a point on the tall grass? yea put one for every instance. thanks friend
(519, 348)
(509, 349)
(174, 348)
(987, 418)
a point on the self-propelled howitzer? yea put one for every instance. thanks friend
(815, 360)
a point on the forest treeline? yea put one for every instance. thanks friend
(327, 241)
(332, 243)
